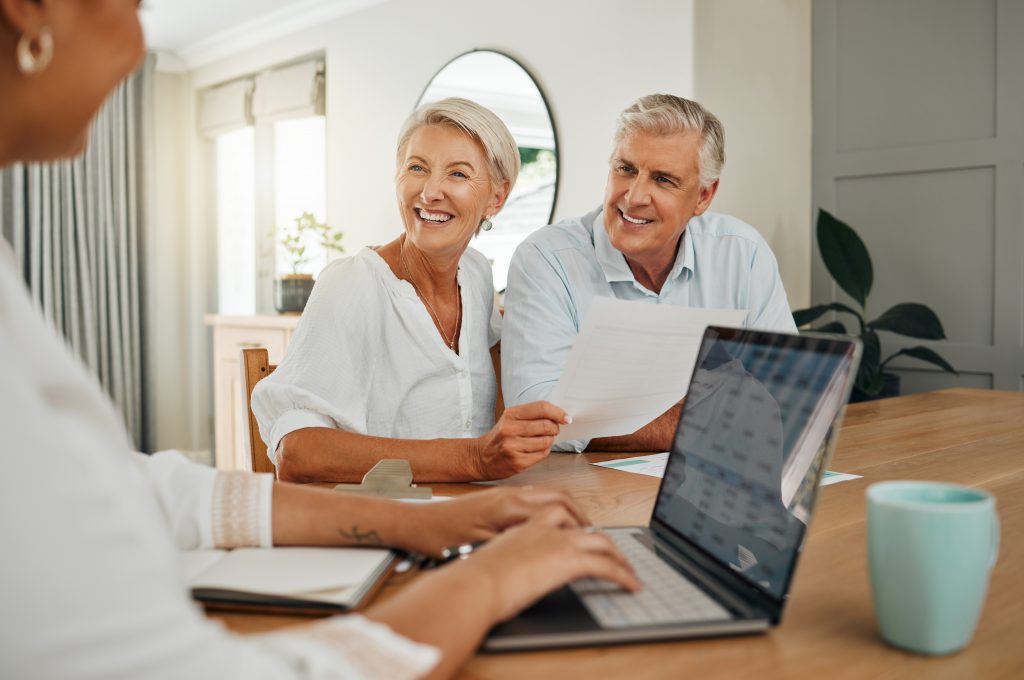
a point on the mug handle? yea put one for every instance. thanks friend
(995, 541)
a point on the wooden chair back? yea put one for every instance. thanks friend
(255, 367)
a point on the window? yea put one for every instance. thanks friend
(300, 185)
(236, 235)
(268, 133)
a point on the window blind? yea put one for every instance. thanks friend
(226, 108)
(295, 91)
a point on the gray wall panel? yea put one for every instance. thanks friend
(918, 143)
(924, 232)
(915, 71)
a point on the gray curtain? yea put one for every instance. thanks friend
(75, 228)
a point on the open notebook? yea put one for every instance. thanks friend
(313, 579)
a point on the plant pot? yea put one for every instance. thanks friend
(890, 388)
(291, 292)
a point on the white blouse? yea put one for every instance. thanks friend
(90, 580)
(367, 358)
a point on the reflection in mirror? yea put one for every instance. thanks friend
(503, 86)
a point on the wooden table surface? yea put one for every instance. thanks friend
(972, 437)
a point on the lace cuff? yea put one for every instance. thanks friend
(367, 649)
(240, 510)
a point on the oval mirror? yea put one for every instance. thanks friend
(502, 85)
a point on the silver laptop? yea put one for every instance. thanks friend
(757, 429)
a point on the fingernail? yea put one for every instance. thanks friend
(567, 420)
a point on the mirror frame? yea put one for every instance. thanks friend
(543, 98)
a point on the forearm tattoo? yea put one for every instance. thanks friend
(363, 537)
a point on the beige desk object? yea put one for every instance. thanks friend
(389, 479)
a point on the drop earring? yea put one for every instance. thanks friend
(486, 224)
(31, 62)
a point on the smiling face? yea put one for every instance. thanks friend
(652, 193)
(445, 189)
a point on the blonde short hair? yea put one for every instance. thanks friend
(479, 123)
(666, 114)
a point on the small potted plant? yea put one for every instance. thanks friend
(847, 260)
(291, 291)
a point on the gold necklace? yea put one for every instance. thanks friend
(458, 302)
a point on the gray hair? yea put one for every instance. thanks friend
(479, 123)
(666, 114)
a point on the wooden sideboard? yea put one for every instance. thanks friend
(232, 334)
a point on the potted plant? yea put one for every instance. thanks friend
(847, 260)
(291, 291)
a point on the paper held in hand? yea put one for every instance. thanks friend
(631, 362)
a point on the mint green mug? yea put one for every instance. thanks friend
(931, 547)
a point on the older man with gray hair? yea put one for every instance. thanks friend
(653, 240)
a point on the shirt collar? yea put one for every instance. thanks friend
(614, 264)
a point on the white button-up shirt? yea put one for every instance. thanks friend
(367, 358)
(722, 263)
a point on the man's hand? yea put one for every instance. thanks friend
(521, 438)
(478, 516)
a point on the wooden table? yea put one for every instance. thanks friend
(972, 437)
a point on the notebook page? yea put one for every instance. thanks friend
(311, 573)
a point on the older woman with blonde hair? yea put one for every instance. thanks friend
(395, 356)
(91, 582)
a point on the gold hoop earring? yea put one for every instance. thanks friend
(31, 62)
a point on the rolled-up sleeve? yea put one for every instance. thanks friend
(207, 508)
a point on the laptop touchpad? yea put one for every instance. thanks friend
(559, 611)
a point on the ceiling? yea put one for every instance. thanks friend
(198, 31)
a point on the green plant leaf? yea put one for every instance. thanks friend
(845, 256)
(910, 319)
(924, 354)
(832, 327)
(869, 374)
(806, 316)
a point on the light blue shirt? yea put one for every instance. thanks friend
(722, 263)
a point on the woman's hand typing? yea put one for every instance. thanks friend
(478, 516)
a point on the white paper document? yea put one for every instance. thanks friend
(830, 477)
(631, 362)
(653, 465)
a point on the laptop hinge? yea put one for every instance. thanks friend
(721, 581)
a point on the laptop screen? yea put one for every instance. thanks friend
(757, 423)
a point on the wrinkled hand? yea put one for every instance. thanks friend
(530, 560)
(480, 515)
(522, 437)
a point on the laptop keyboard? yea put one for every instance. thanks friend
(667, 596)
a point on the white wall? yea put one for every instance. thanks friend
(753, 70)
(748, 62)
